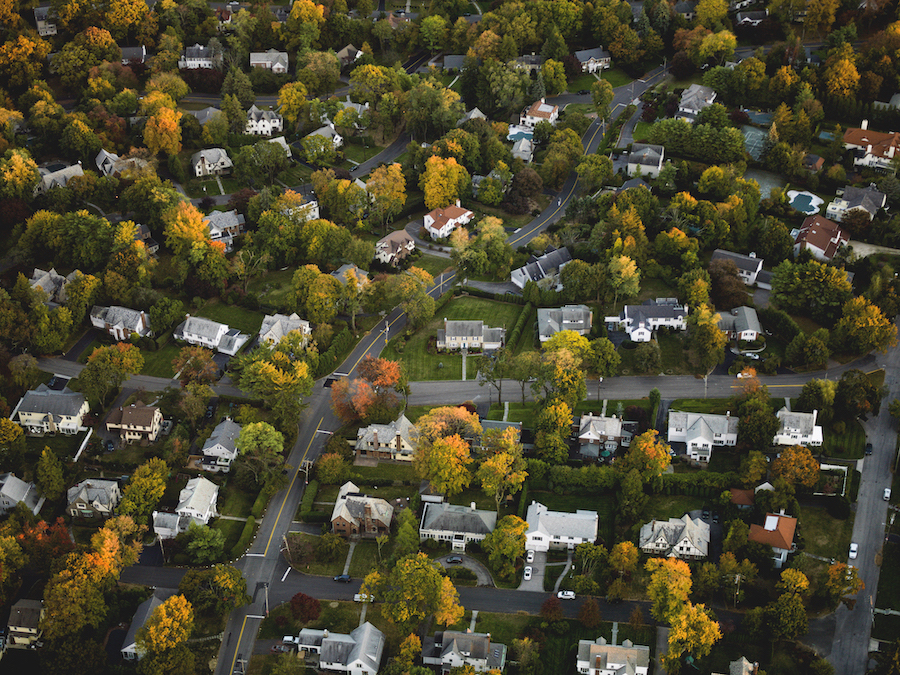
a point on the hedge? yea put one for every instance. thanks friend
(328, 361)
(246, 535)
(309, 496)
(523, 500)
(315, 516)
(512, 338)
(259, 505)
(779, 322)
(500, 297)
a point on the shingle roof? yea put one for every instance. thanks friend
(272, 56)
(581, 524)
(542, 110)
(803, 422)
(351, 506)
(212, 156)
(777, 531)
(138, 415)
(388, 432)
(144, 610)
(198, 494)
(207, 328)
(552, 320)
(25, 614)
(646, 155)
(225, 434)
(866, 198)
(696, 97)
(45, 400)
(882, 143)
(743, 262)
(445, 517)
(593, 427)
(276, 326)
(676, 529)
(255, 114)
(205, 115)
(586, 55)
(740, 319)
(119, 316)
(94, 491)
(823, 234)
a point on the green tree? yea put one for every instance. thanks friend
(505, 544)
(49, 474)
(594, 171)
(144, 490)
(503, 473)
(260, 445)
(433, 32)
(624, 277)
(238, 84)
(107, 368)
(204, 544)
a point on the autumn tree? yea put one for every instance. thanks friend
(214, 591)
(707, 339)
(443, 181)
(305, 608)
(184, 226)
(648, 454)
(292, 103)
(602, 95)
(448, 421)
(444, 463)
(623, 558)
(279, 378)
(694, 631)
(589, 614)
(669, 587)
(863, 327)
(332, 469)
(195, 364)
(409, 290)
(797, 466)
(843, 581)
(505, 544)
(410, 650)
(144, 490)
(552, 431)
(162, 640)
(108, 367)
(624, 277)
(49, 475)
(387, 191)
(503, 473)
(162, 132)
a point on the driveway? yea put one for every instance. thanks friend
(536, 583)
(484, 576)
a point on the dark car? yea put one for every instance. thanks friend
(583, 92)
(868, 448)
(345, 578)
(454, 560)
(110, 446)
(715, 517)
(705, 515)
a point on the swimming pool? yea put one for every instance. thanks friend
(805, 202)
(517, 133)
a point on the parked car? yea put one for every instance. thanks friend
(854, 551)
(887, 494)
(868, 448)
(527, 575)
(583, 92)
(566, 595)
(110, 446)
(705, 515)
(362, 597)
(290, 640)
(454, 560)
(344, 578)
(529, 556)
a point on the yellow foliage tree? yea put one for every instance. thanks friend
(442, 181)
(169, 625)
(183, 227)
(162, 132)
(444, 464)
(693, 632)
(669, 587)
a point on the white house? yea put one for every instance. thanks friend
(538, 268)
(872, 149)
(592, 60)
(867, 199)
(441, 222)
(198, 500)
(752, 19)
(137, 422)
(455, 524)
(93, 498)
(395, 441)
(639, 321)
(469, 335)
(211, 162)
(272, 59)
(110, 164)
(821, 237)
(220, 449)
(451, 649)
(556, 529)
(327, 131)
(120, 322)
(523, 149)
(777, 532)
(798, 428)
(600, 658)
(263, 122)
(748, 266)
(224, 226)
(694, 99)
(14, 490)
(394, 247)
(196, 330)
(169, 525)
(685, 538)
(741, 323)
(600, 436)
(648, 159)
(701, 432)
(45, 20)
(276, 326)
(358, 653)
(539, 111)
(552, 320)
(130, 650)
(52, 177)
(196, 57)
(46, 411)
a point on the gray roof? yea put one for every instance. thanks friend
(696, 97)
(388, 432)
(280, 325)
(488, 425)
(686, 6)
(468, 328)
(352, 506)
(747, 263)
(646, 155)
(144, 610)
(866, 198)
(587, 54)
(552, 320)
(365, 643)
(804, 422)
(221, 220)
(343, 269)
(703, 425)
(51, 179)
(739, 320)
(273, 56)
(654, 309)
(197, 325)
(45, 400)
(94, 491)
(255, 114)
(212, 156)
(205, 115)
(118, 316)
(198, 494)
(225, 434)
(634, 183)
(445, 517)
(138, 54)
(15, 488)
(493, 334)
(676, 529)
(539, 267)
(454, 61)
(25, 613)
(198, 51)
(593, 427)
(581, 524)
(630, 655)
(170, 521)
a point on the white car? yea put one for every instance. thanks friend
(566, 595)
(362, 597)
(529, 557)
(527, 576)
(854, 551)
(887, 494)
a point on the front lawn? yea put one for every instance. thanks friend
(274, 288)
(641, 131)
(235, 502)
(710, 406)
(303, 556)
(616, 77)
(244, 320)
(433, 264)
(421, 365)
(232, 530)
(663, 507)
(824, 535)
(359, 153)
(584, 81)
(849, 445)
(159, 363)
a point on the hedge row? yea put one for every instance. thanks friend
(779, 322)
(512, 338)
(499, 297)
(315, 516)
(703, 484)
(309, 496)
(340, 344)
(246, 535)
(523, 500)
(259, 505)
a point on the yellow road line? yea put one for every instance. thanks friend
(238, 645)
(286, 494)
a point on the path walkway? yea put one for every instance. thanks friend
(662, 646)
(349, 558)
(474, 619)
(238, 518)
(464, 353)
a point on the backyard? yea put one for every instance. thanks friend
(823, 535)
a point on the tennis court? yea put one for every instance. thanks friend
(753, 141)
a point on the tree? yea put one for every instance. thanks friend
(856, 396)
(669, 587)
(292, 103)
(282, 380)
(163, 637)
(214, 591)
(623, 558)
(594, 171)
(238, 84)
(144, 490)
(624, 277)
(332, 469)
(49, 472)
(162, 132)
(444, 464)
(184, 226)
(797, 465)
(260, 445)
(710, 13)
(843, 581)
(503, 473)
(195, 364)
(194, 397)
(786, 617)
(387, 191)
(589, 614)
(204, 544)
(694, 632)
(757, 425)
(305, 608)
(707, 339)
(263, 160)
(552, 429)
(19, 175)
(443, 181)
(648, 454)
(448, 421)
(108, 367)
(552, 610)
(864, 328)
(433, 32)
(410, 291)
(505, 544)
(22, 58)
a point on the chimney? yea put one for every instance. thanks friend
(325, 633)
(865, 125)
(815, 416)
(542, 100)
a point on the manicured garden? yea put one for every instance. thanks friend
(849, 444)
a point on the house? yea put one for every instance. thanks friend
(599, 436)
(196, 330)
(358, 653)
(872, 149)
(685, 538)
(751, 19)
(551, 320)
(546, 266)
(600, 658)
(263, 122)
(196, 57)
(359, 108)
(866, 199)
(46, 411)
(45, 20)
(52, 177)
(348, 55)
(748, 266)
(469, 335)
(224, 226)
(358, 515)
(397, 440)
(633, 183)
(393, 248)
(742, 667)
(14, 490)
(198, 500)
(272, 59)
(529, 62)
(52, 284)
(280, 140)
(639, 321)
(778, 532)
(144, 611)
(455, 649)
(700, 432)
(205, 115)
(454, 62)
(456, 524)
(539, 111)
(592, 60)
(686, 9)
(169, 525)
(134, 55)
(220, 449)
(93, 498)
(327, 132)
(473, 114)
(813, 163)
(523, 149)
(142, 234)
(741, 323)
(556, 529)
(211, 162)
(24, 625)
(360, 275)
(276, 326)
(798, 428)
(648, 159)
(695, 98)
(110, 164)
(120, 322)
(137, 422)
(309, 210)
(743, 499)
(441, 222)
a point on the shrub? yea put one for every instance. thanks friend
(246, 536)
(309, 496)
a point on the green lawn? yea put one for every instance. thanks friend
(641, 131)
(274, 288)
(584, 81)
(420, 365)
(849, 445)
(504, 628)
(85, 355)
(360, 153)
(716, 406)
(159, 363)
(62, 445)
(235, 502)
(236, 317)
(889, 584)
(195, 188)
(302, 548)
(295, 175)
(616, 77)
(583, 108)
(663, 507)
(433, 264)
(824, 535)
(525, 413)
(232, 530)
(401, 472)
